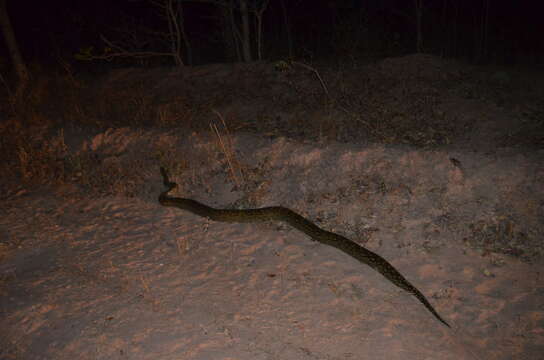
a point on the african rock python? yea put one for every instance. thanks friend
(278, 213)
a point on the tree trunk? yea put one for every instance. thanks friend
(228, 33)
(246, 48)
(185, 38)
(259, 11)
(287, 24)
(13, 48)
(419, 31)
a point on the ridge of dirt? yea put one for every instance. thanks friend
(419, 100)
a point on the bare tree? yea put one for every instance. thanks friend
(285, 9)
(418, 5)
(132, 44)
(237, 12)
(235, 26)
(246, 45)
(416, 19)
(450, 12)
(480, 43)
(258, 8)
(14, 52)
(228, 32)
(176, 29)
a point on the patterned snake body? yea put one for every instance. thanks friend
(278, 213)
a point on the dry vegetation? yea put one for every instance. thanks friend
(418, 100)
(413, 100)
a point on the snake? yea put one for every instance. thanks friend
(288, 216)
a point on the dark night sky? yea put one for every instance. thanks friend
(49, 29)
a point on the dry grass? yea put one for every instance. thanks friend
(43, 162)
(226, 145)
(296, 100)
(32, 143)
(175, 112)
(41, 156)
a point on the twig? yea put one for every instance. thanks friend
(312, 69)
(227, 151)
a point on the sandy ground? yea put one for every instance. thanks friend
(124, 278)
